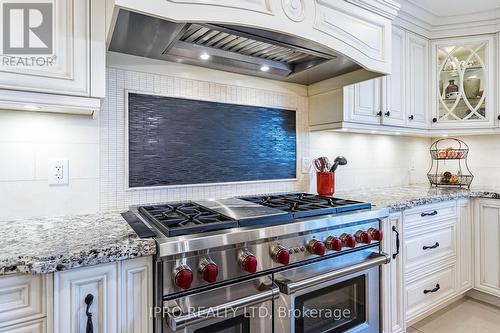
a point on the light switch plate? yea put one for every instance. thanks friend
(58, 171)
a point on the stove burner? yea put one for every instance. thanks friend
(176, 219)
(305, 204)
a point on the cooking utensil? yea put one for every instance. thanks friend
(321, 164)
(339, 160)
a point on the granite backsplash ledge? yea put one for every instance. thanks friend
(44, 245)
(400, 198)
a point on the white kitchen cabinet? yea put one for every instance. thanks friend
(417, 81)
(463, 82)
(465, 248)
(122, 297)
(34, 326)
(487, 246)
(391, 103)
(70, 291)
(393, 87)
(392, 276)
(73, 65)
(136, 295)
(25, 302)
(427, 290)
(365, 102)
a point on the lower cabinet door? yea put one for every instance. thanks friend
(86, 297)
(487, 246)
(34, 326)
(137, 295)
(393, 277)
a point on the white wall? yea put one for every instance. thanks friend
(27, 141)
(373, 160)
(484, 159)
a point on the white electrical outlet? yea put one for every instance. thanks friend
(58, 172)
(306, 164)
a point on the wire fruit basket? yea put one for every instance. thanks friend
(449, 163)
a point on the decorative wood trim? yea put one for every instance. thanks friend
(262, 6)
(386, 8)
(369, 38)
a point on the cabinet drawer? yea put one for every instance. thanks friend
(34, 326)
(427, 291)
(427, 247)
(430, 213)
(22, 298)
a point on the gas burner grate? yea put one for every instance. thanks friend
(183, 218)
(305, 204)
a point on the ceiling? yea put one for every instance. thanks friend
(456, 7)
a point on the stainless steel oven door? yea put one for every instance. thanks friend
(243, 307)
(341, 294)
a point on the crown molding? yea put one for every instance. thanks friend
(386, 8)
(432, 26)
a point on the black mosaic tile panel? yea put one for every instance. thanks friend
(174, 141)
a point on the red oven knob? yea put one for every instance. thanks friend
(333, 243)
(348, 240)
(281, 255)
(363, 237)
(183, 277)
(248, 262)
(316, 247)
(209, 270)
(376, 234)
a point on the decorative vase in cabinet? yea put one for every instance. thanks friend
(452, 90)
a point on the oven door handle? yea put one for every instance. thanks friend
(376, 259)
(180, 322)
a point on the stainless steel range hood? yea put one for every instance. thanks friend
(238, 49)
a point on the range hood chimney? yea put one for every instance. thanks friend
(232, 48)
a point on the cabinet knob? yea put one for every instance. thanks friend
(387, 114)
(89, 299)
(411, 117)
(434, 120)
(499, 117)
(379, 113)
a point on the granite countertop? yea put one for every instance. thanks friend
(44, 245)
(400, 198)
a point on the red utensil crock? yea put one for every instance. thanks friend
(325, 183)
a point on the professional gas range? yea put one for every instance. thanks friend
(259, 263)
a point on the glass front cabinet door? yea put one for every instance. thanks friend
(463, 82)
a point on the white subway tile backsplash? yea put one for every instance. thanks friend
(373, 160)
(27, 141)
(17, 161)
(36, 198)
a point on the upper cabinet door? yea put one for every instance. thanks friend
(394, 112)
(51, 47)
(463, 82)
(364, 101)
(417, 69)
